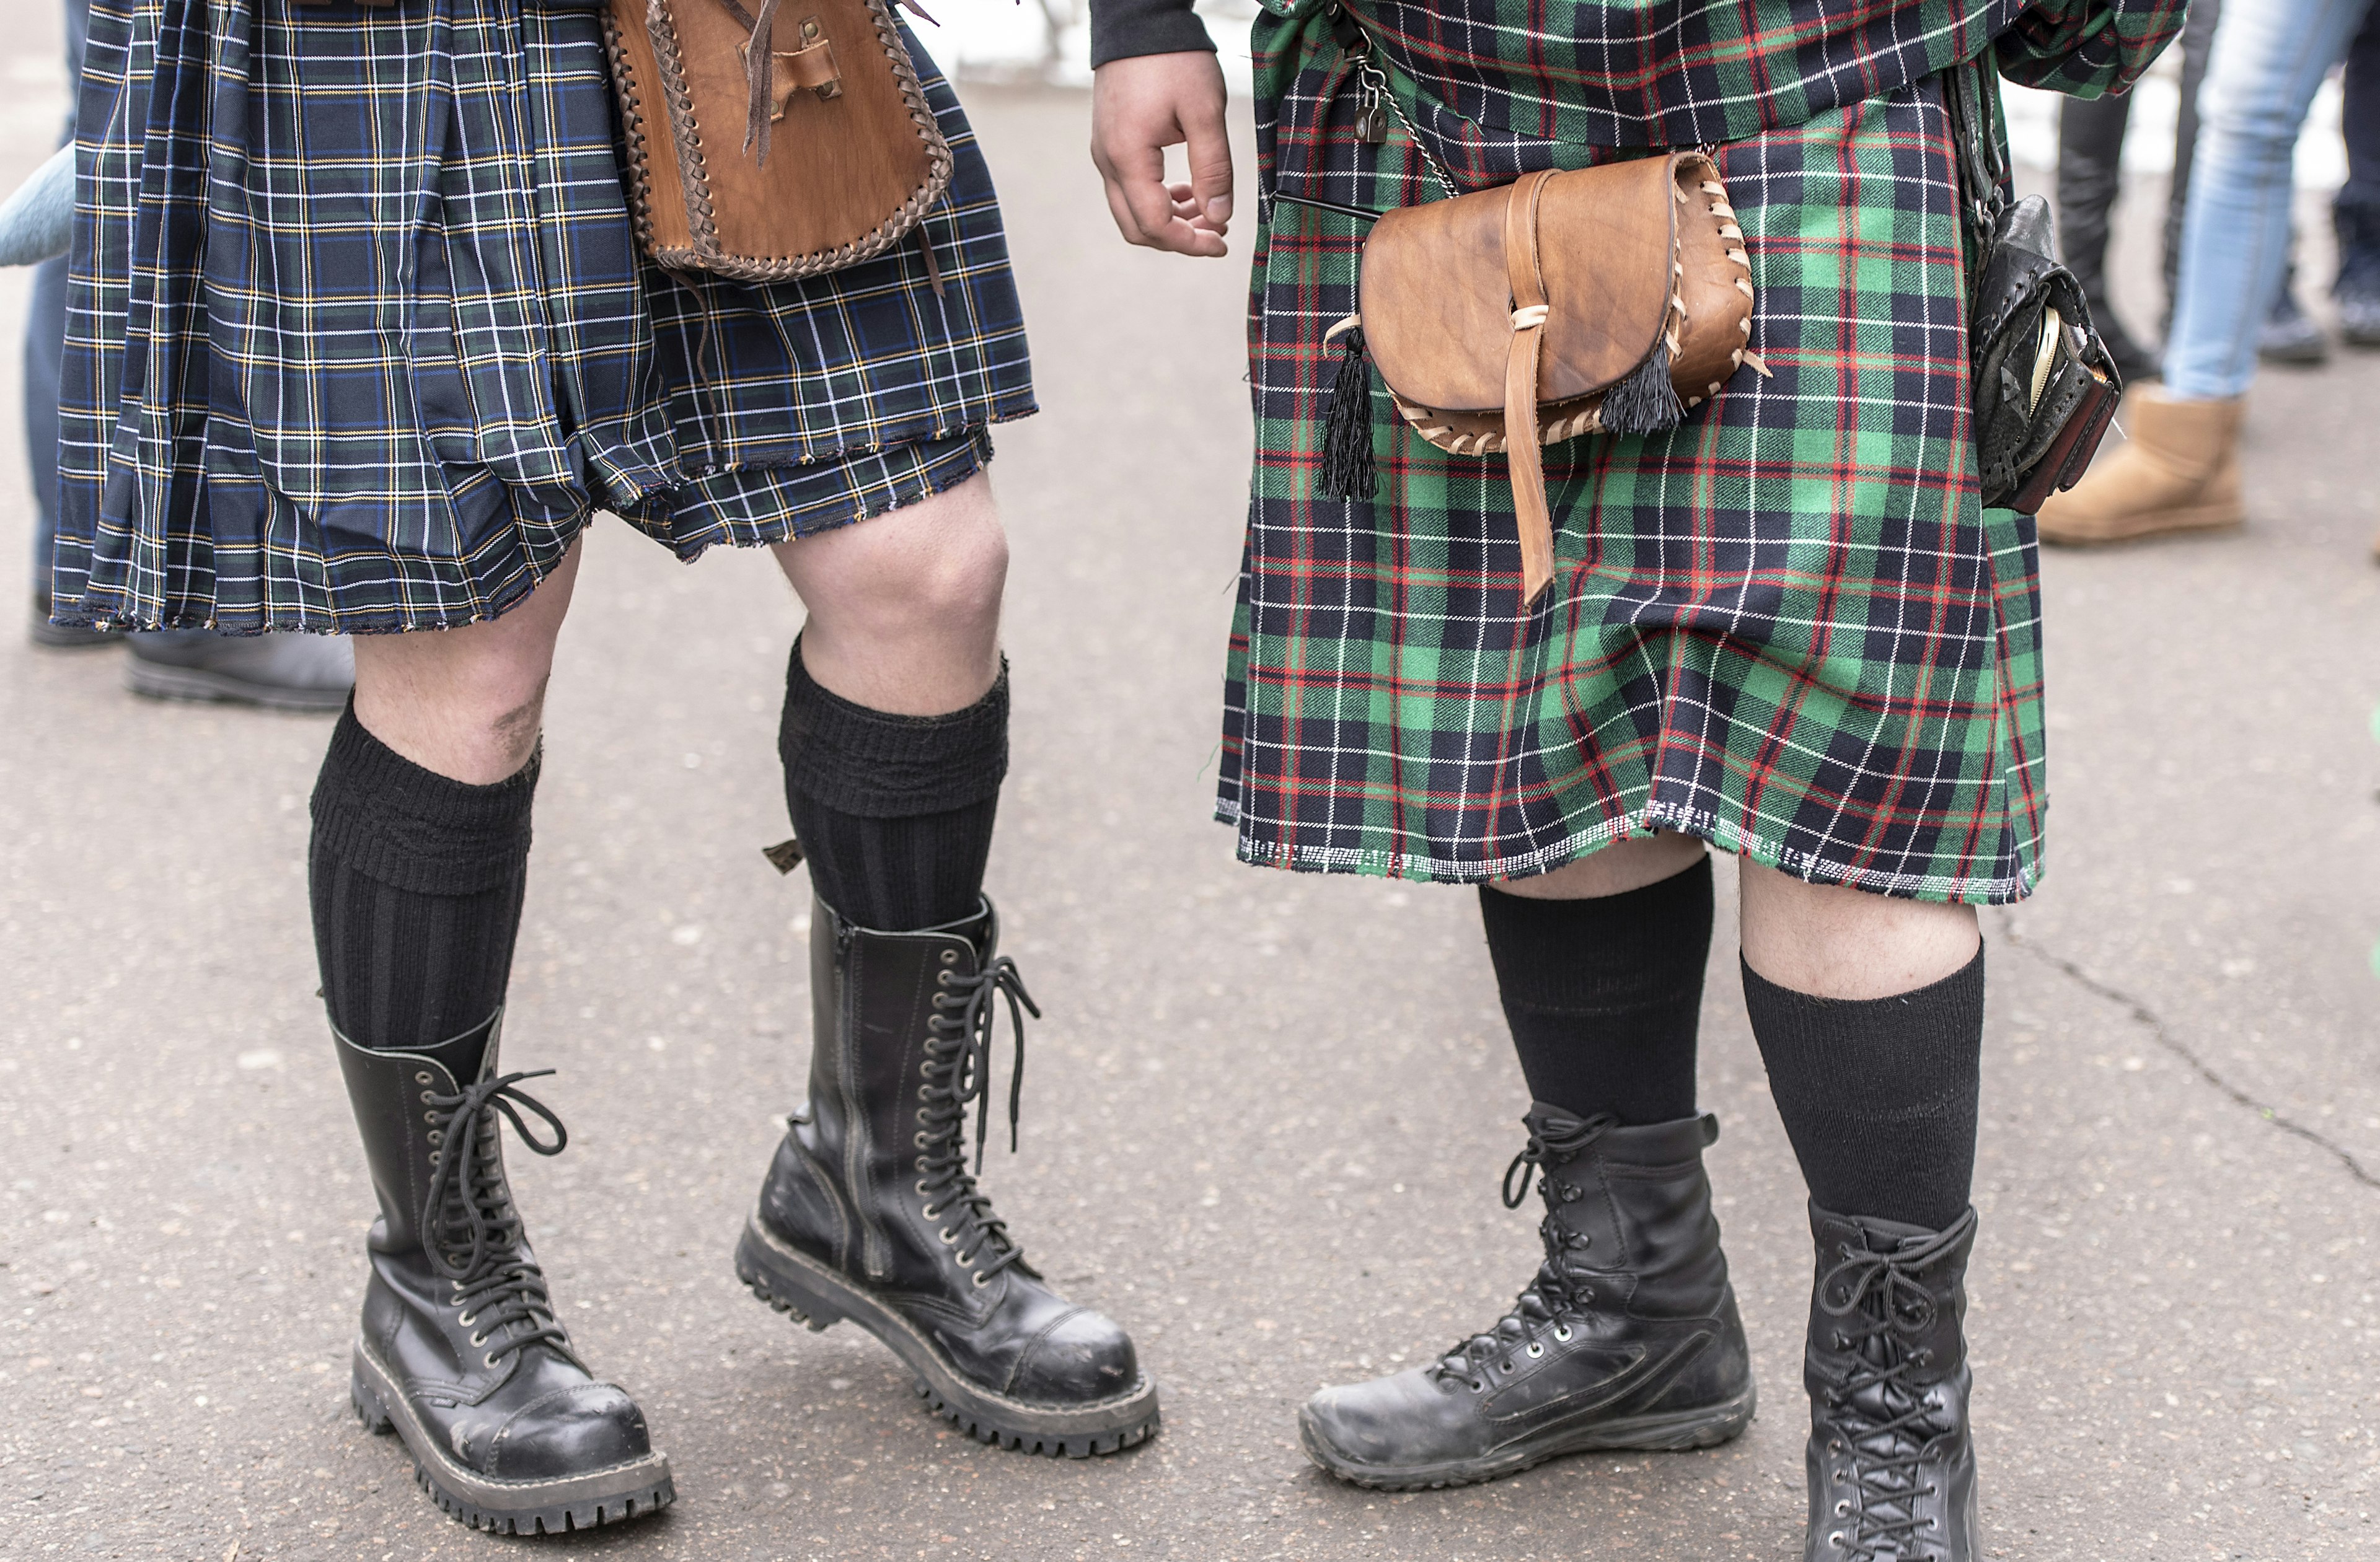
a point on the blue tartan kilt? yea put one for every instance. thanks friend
(359, 337)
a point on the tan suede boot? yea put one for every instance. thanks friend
(2177, 471)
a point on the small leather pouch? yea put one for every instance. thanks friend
(1606, 300)
(771, 140)
(2044, 387)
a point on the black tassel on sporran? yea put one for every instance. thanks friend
(1347, 424)
(1645, 402)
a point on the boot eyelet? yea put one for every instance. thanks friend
(436, 1137)
(1836, 1538)
(422, 1077)
(950, 957)
(425, 1097)
(490, 1358)
(921, 1091)
(947, 1239)
(981, 1281)
(921, 1114)
(1843, 1508)
(430, 1117)
(464, 1320)
(1536, 1349)
(920, 1139)
(1562, 1334)
(478, 1340)
(1506, 1364)
(966, 1260)
(930, 1212)
(942, 978)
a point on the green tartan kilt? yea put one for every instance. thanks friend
(1789, 627)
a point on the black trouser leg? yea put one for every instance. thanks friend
(1604, 996)
(1880, 1095)
(415, 881)
(2089, 158)
(895, 813)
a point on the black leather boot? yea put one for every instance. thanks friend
(870, 1212)
(2090, 151)
(1891, 1461)
(1627, 1338)
(461, 1352)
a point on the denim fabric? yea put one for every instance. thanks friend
(45, 337)
(2267, 61)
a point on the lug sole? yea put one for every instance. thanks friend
(163, 681)
(2160, 523)
(811, 1293)
(1673, 1432)
(553, 1507)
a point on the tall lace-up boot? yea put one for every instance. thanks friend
(1891, 1458)
(461, 1351)
(1627, 1338)
(872, 1212)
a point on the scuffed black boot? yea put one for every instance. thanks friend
(460, 1350)
(1891, 1459)
(870, 1212)
(1627, 1338)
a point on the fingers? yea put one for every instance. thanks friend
(1140, 106)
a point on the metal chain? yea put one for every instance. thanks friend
(1376, 83)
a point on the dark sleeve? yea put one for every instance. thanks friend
(1121, 28)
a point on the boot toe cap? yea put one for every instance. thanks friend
(1082, 1356)
(1391, 1422)
(572, 1431)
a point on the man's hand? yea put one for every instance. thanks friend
(1140, 106)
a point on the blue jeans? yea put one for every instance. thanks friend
(2268, 59)
(45, 343)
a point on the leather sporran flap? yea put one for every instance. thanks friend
(825, 155)
(1609, 299)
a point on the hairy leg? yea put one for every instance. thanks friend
(904, 608)
(466, 703)
(1832, 941)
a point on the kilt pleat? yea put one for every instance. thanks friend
(359, 337)
(1789, 627)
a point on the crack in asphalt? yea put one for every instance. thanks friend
(2150, 1020)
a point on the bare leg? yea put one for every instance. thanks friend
(1615, 870)
(466, 703)
(904, 608)
(1831, 942)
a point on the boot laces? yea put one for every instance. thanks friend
(1560, 1291)
(469, 1226)
(957, 1072)
(1882, 1422)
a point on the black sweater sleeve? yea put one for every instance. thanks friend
(1121, 28)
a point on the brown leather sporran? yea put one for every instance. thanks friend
(771, 140)
(1608, 299)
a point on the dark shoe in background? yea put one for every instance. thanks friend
(2290, 336)
(870, 1212)
(1891, 1458)
(282, 672)
(461, 1352)
(65, 637)
(1628, 1336)
(2357, 289)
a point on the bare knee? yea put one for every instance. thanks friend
(1834, 941)
(1615, 870)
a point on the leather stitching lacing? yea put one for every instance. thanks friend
(1884, 1307)
(957, 1070)
(469, 1228)
(1560, 1291)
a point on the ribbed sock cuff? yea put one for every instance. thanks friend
(1879, 1095)
(378, 814)
(873, 764)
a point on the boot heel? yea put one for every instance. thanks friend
(367, 1403)
(781, 1287)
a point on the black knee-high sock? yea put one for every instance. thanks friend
(1604, 996)
(417, 883)
(1879, 1095)
(895, 813)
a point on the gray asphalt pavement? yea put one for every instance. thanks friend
(1266, 1116)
